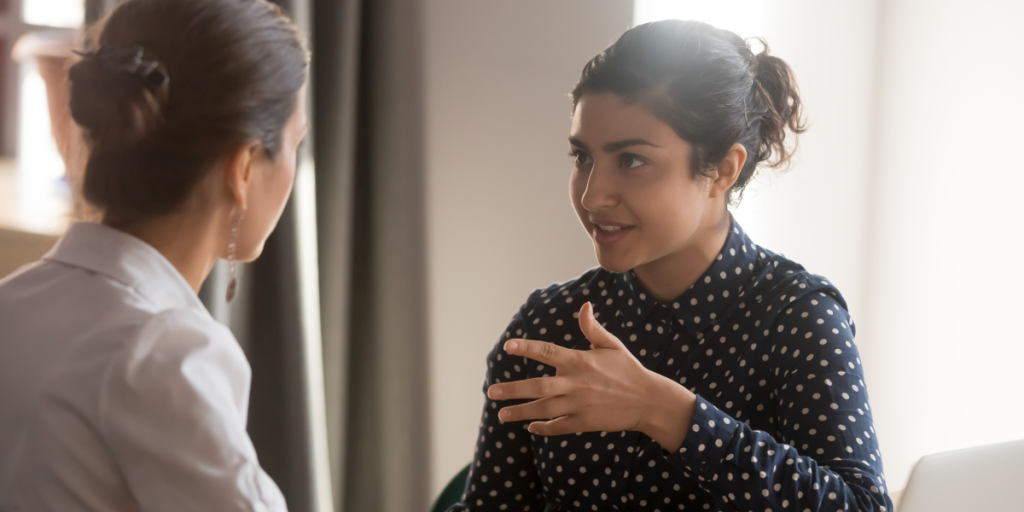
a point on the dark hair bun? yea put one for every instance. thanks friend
(119, 104)
(169, 87)
(774, 80)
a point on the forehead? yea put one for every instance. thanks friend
(606, 117)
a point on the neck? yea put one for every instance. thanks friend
(668, 277)
(192, 243)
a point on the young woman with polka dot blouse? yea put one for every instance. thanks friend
(694, 369)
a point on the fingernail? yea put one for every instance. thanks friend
(512, 345)
(505, 414)
(532, 429)
(495, 392)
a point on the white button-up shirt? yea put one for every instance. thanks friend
(118, 391)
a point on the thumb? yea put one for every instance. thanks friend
(592, 329)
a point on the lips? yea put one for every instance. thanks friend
(608, 233)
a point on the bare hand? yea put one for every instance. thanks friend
(603, 389)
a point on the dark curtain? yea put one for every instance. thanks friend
(386, 425)
(370, 209)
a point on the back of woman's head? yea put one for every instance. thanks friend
(708, 86)
(172, 86)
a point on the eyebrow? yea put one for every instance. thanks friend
(613, 147)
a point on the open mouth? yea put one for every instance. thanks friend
(607, 234)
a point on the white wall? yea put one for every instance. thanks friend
(499, 219)
(815, 212)
(945, 280)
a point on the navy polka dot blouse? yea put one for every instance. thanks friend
(782, 420)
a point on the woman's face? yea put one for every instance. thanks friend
(271, 184)
(631, 183)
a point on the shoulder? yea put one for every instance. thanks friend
(799, 299)
(24, 275)
(555, 308)
(182, 360)
(818, 312)
(817, 332)
(95, 312)
(780, 285)
(182, 328)
(176, 341)
(778, 281)
(589, 286)
(550, 313)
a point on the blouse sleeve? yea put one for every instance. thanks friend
(824, 454)
(503, 475)
(173, 412)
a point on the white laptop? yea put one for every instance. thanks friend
(986, 478)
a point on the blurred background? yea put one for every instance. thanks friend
(439, 175)
(35, 199)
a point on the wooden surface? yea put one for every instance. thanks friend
(18, 248)
(33, 215)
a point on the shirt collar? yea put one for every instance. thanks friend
(127, 260)
(714, 293)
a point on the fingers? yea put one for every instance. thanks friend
(539, 387)
(542, 351)
(559, 426)
(594, 331)
(543, 409)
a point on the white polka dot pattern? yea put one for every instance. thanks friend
(782, 420)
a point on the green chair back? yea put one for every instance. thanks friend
(452, 492)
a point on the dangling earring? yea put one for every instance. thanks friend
(232, 266)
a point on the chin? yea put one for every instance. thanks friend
(615, 263)
(253, 254)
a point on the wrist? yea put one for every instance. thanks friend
(668, 412)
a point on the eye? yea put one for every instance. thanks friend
(631, 161)
(581, 157)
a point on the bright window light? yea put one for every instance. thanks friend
(54, 13)
(37, 151)
(744, 17)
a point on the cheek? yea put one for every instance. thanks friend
(270, 196)
(276, 188)
(577, 186)
(284, 178)
(669, 212)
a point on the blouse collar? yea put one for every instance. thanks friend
(127, 260)
(714, 293)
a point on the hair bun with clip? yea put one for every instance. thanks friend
(129, 60)
(117, 95)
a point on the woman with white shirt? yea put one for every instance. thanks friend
(119, 391)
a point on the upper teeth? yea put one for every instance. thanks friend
(610, 229)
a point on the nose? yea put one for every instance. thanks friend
(599, 193)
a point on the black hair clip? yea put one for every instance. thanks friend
(128, 60)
